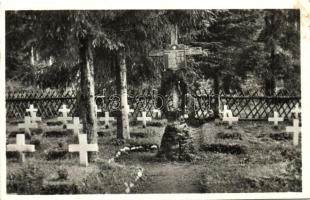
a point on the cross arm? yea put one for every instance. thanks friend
(156, 53)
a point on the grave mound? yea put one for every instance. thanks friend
(229, 135)
(177, 143)
(14, 133)
(58, 133)
(56, 154)
(15, 155)
(280, 136)
(234, 149)
(138, 135)
(59, 187)
(105, 133)
(54, 123)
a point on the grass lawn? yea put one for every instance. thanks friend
(250, 157)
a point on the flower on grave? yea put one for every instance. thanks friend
(131, 185)
(118, 154)
(127, 188)
(132, 148)
(140, 172)
(111, 160)
(126, 148)
(153, 146)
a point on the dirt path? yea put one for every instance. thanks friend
(168, 177)
(173, 178)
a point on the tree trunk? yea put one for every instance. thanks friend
(87, 94)
(121, 79)
(217, 92)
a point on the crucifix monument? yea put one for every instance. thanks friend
(174, 59)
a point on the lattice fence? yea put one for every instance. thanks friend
(49, 102)
(248, 105)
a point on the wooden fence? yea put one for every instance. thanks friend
(246, 105)
(249, 105)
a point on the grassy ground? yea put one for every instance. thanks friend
(250, 157)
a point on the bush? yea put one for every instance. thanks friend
(26, 180)
(37, 143)
(62, 174)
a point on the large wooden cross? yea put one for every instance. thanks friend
(176, 54)
(175, 58)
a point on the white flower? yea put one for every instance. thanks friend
(122, 150)
(140, 173)
(118, 154)
(127, 190)
(131, 185)
(132, 148)
(153, 146)
(126, 148)
(111, 160)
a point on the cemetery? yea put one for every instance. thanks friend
(105, 115)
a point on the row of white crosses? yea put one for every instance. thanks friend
(295, 129)
(228, 116)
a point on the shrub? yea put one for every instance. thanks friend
(63, 174)
(26, 180)
(37, 143)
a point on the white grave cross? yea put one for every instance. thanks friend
(33, 113)
(27, 125)
(144, 118)
(83, 148)
(107, 119)
(157, 112)
(230, 119)
(295, 129)
(20, 146)
(296, 111)
(32, 110)
(226, 112)
(64, 118)
(275, 119)
(129, 109)
(97, 110)
(76, 126)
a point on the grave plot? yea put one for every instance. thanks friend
(58, 171)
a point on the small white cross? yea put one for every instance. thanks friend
(32, 110)
(76, 126)
(157, 112)
(275, 119)
(107, 119)
(33, 113)
(83, 148)
(64, 118)
(20, 146)
(230, 119)
(27, 125)
(296, 111)
(129, 109)
(97, 110)
(144, 118)
(295, 129)
(226, 112)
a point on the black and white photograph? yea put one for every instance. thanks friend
(153, 101)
